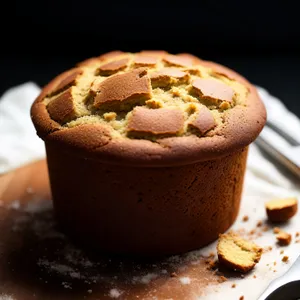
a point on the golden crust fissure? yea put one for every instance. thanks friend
(108, 90)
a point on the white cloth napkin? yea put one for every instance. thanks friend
(264, 180)
(18, 141)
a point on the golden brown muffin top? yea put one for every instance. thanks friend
(148, 101)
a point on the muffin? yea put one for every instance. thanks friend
(147, 152)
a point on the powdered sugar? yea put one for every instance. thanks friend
(14, 205)
(66, 285)
(185, 280)
(6, 297)
(114, 293)
(145, 279)
(38, 206)
(70, 267)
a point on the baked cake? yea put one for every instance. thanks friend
(147, 151)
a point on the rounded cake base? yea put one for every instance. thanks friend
(142, 210)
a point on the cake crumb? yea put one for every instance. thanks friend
(242, 298)
(222, 279)
(283, 238)
(211, 254)
(89, 291)
(173, 274)
(245, 218)
(285, 258)
(213, 264)
(281, 251)
(254, 276)
(297, 241)
(274, 271)
(259, 223)
(110, 116)
(297, 234)
(265, 228)
(233, 285)
(252, 232)
(274, 263)
(268, 248)
(276, 229)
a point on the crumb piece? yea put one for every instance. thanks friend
(281, 210)
(297, 234)
(284, 238)
(176, 92)
(233, 285)
(265, 228)
(252, 232)
(254, 276)
(222, 279)
(274, 271)
(268, 248)
(259, 223)
(274, 263)
(281, 251)
(154, 103)
(245, 218)
(285, 258)
(89, 291)
(242, 276)
(276, 229)
(110, 116)
(212, 265)
(242, 298)
(297, 241)
(237, 253)
(211, 254)
(173, 274)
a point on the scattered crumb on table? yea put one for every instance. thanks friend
(245, 218)
(284, 238)
(259, 223)
(285, 258)
(222, 279)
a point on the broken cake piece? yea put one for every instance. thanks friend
(283, 238)
(281, 210)
(236, 253)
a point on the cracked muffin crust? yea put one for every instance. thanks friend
(147, 152)
(163, 109)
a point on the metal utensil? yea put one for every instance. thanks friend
(287, 153)
(285, 287)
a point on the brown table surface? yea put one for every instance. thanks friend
(39, 262)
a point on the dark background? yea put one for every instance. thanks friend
(259, 39)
